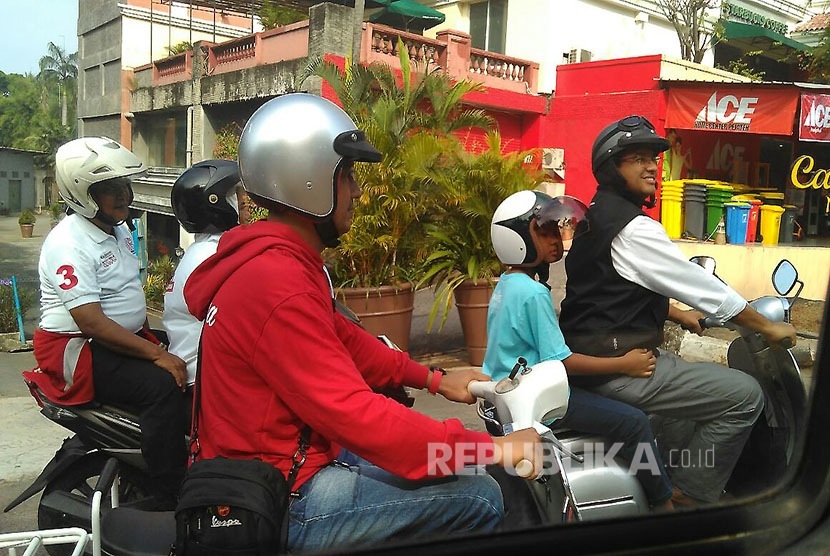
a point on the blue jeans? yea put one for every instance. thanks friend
(620, 422)
(353, 502)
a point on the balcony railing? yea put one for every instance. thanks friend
(450, 50)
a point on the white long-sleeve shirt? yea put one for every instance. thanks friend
(642, 253)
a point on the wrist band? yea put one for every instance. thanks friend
(436, 374)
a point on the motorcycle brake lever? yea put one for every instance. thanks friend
(550, 437)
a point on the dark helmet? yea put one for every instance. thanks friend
(200, 197)
(630, 132)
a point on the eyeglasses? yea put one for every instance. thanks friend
(642, 160)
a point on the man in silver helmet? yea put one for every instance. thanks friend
(277, 359)
(93, 340)
(622, 270)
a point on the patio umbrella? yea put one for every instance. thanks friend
(408, 15)
(368, 3)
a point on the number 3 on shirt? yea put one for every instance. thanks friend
(69, 278)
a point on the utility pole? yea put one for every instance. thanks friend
(359, 6)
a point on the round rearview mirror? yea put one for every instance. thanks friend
(784, 277)
(707, 263)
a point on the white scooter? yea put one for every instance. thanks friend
(578, 481)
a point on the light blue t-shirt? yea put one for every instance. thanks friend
(521, 322)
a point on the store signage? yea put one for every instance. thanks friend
(814, 122)
(735, 109)
(818, 180)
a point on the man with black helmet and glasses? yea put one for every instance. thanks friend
(93, 340)
(278, 359)
(622, 270)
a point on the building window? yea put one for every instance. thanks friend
(488, 25)
(166, 139)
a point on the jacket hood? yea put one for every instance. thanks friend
(238, 246)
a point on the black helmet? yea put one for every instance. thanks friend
(632, 131)
(200, 197)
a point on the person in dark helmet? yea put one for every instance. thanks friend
(206, 203)
(277, 358)
(527, 230)
(622, 271)
(93, 341)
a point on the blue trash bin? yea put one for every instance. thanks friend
(737, 217)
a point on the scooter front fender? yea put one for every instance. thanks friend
(70, 451)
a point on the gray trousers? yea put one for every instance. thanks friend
(723, 403)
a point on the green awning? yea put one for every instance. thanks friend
(408, 15)
(750, 37)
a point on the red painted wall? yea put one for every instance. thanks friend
(591, 95)
(608, 76)
(574, 122)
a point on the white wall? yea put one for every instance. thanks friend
(166, 32)
(542, 30)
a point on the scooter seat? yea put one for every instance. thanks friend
(138, 532)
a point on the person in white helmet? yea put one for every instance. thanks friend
(521, 321)
(93, 341)
(278, 359)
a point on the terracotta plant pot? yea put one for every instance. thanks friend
(384, 310)
(472, 299)
(26, 229)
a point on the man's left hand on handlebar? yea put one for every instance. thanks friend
(688, 320)
(454, 385)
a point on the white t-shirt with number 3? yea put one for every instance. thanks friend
(80, 264)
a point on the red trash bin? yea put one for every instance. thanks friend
(752, 222)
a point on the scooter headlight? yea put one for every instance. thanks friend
(775, 309)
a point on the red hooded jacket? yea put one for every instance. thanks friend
(277, 357)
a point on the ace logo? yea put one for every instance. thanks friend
(818, 118)
(727, 113)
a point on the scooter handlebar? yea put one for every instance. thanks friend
(482, 389)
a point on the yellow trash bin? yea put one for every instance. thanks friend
(671, 214)
(770, 224)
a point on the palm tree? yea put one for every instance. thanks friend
(63, 69)
(412, 120)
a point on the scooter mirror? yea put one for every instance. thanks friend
(707, 263)
(784, 277)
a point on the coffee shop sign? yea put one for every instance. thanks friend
(820, 179)
(804, 165)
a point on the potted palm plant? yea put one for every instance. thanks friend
(409, 119)
(27, 221)
(462, 265)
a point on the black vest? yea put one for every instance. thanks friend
(604, 314)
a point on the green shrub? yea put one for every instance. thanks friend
(8, 315)
(27, 217)
(159, 273)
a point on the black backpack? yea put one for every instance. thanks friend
(231, 506)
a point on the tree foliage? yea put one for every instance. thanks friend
(817, 62)
(744, 66)
(272, 14)
(58, 67)
(694, 23)
(38, 112)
